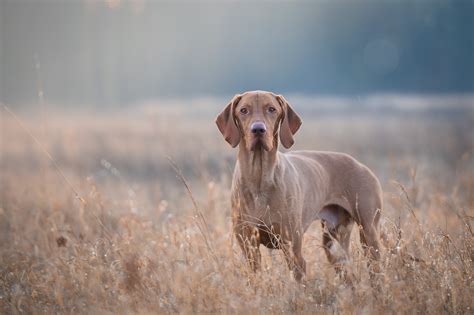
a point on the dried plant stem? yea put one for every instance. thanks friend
(409, 204)
(46, 152)
(201, 223)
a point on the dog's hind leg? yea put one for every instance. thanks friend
(367, 215)
(369, 237)
(337, 227)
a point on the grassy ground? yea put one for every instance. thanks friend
(136, 243)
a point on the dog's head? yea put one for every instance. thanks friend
(256, 119)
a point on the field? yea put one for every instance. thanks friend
(133, 214)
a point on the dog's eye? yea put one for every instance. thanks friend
(244, 111)
(271, 109)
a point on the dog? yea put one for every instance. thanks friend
(275, 196)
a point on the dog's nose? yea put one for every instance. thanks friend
(258, 128)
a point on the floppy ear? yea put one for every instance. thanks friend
(226, 122)
(290, 123)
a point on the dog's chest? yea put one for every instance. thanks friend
(262, 206)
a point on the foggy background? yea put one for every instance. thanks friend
(115, 53)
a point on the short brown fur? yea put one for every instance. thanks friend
(276, 196)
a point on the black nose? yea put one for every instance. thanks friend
(258, 128)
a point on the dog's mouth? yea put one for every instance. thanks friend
(259, 143)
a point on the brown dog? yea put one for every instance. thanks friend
(276, 196)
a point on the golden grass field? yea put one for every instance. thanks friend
(137, 242)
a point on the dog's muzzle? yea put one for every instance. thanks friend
(258, 130)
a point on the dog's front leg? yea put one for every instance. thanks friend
(249, 241)
(294, 257)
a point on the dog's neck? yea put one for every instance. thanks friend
(257, 168)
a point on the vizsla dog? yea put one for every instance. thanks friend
(276, 196)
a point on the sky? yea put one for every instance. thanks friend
(114, 53)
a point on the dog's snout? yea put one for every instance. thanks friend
(258, 128)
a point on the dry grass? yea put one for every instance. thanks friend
(139, 245)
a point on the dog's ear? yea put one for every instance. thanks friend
(226, 122)
(290, 123)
